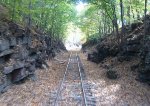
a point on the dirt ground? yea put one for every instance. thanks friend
(37, 93)
(125, 91)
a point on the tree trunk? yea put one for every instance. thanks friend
(133, 14)
(114, 21)
(14, 10)
(129, 15)
(99, 29)
(29, 18)
(122, 20)
(145, 11)
(105, 29)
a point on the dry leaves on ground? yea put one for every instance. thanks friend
(123, 91)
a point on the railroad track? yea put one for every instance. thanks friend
(73, 89)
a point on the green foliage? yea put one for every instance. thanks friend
(100, 18)
(100, 15)
(50, 16)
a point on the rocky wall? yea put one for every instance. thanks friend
(136, 44)
(20, 55)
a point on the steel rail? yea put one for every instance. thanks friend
(81, 79)
(64, 77)
(60, 86)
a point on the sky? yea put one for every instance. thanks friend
(80, 6)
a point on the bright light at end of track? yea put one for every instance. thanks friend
(80, 6)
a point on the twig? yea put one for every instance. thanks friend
(60, 61)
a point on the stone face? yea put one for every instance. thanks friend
(26, 52)
(94, 57)
(133, 48)
(15, 56)
(20, 53)
(19, 41)
(99, 55)
(6, 81)
(136, 39)
(19, 74)
(6, 52)
(148, 24)
(147, 58)
(29, 41)
(32, 69)
(19, 65)
(135, 25)
(8, 69)
(135, 67)
(112, 74)
(12, 41)
(2, 60)
(4, 44)
(144, 78)
(25, 39)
